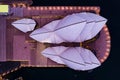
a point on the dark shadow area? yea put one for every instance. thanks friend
(6, 66)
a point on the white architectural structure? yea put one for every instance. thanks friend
(77, 27)
(76, 58)
(24, 25)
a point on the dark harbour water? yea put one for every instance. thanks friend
(109, 70)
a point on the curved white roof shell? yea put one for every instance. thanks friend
(24, 25)
(47, 34)
(76, 58)
(77, 27)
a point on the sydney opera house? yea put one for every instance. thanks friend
(75, 37)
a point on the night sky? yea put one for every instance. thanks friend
(110, 69)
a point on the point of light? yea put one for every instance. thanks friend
(106, 53)
(45, 8)
(87, 8)
(108, 42)
(74, 8)
(50, 8)
(14, 5)
(95, 8)
(24, 5)
(107, 33)
(37, 8)
(105, 29)
(105, 57)
(101, 60)
(71, 8)
(108, 50)
(79, 8)
(62, 8)
(66, 8)
(91, 8)
(83, 8)
(58, 8)
(29, 8)
(108, 37)
(41, 8)
(54, 8)
(108, 45)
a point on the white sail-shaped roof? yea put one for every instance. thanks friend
(53, 53)
(24, 25)
(89, 58)
(72, 59)
(77, 27)
(84, 54)
(99, 24)
(70, 27)
(80, 26)
(93, 26)
(79, 59)
(76, 58)
(87, 28)
(47, 34)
